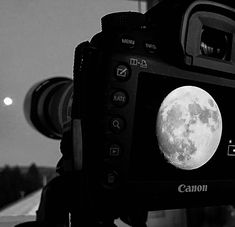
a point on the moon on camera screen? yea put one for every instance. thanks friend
(188, 127)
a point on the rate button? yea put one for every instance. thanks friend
(119, 98)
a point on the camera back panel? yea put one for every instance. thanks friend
(138, 82)
(163, 132)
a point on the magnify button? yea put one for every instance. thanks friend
(117, 124)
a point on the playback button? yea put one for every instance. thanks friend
(114, 150)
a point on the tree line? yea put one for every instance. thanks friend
(14, 184)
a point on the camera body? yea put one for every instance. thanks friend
(153, 93)
(150, 109)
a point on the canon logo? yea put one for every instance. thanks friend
(192, 188)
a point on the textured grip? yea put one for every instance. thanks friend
(122, 21)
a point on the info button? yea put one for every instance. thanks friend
(151, 47)
(117, 124)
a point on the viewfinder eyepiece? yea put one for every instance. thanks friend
(216, 43)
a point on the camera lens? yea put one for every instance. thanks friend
(215, 43)
(47, 106)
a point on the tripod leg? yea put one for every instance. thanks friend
(107, 223)
(138, 218)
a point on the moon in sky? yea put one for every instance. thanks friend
(189, 127)
(8, 101)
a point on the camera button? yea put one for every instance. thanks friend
(114, 150)
(127, 42)
(117, 124)
(122, 73)
(119, 98)
(110, 179)
(150, 47)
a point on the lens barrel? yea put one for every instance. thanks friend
(48, 104)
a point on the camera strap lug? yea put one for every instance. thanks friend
(77, 144)
(85, 61)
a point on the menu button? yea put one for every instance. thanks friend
(128, 42)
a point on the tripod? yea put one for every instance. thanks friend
(69, 193)
(62, 196)
(83, 216)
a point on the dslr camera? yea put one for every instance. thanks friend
(150, 107)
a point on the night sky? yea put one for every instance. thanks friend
(37, 41)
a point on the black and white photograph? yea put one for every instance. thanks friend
(117, 113)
